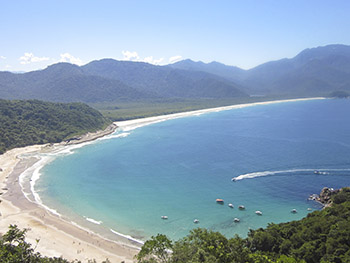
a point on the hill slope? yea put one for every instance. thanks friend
(63, 82)
(31, 122)
(316, 71)
(164, 81)
(313, 72)
(230, 72)
(110, 80)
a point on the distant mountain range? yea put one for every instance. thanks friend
(313, 72)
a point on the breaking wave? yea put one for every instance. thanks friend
(93, 220)
(127, 237)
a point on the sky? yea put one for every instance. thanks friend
(243, 33)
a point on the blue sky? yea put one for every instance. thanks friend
(246, 33)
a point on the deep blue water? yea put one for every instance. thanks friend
(179, 167)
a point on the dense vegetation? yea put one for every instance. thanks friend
(31, 122)
(14, 248)
(140, 109)
(322, 236)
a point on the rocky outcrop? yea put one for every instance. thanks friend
(325, 196)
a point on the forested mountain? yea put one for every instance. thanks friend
(313, 72)
(64, 82)
(165, 81)
(28, 122)
(230, 72)
(110, 80)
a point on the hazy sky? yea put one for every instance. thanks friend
(243, 33)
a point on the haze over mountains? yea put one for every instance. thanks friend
(313, 72)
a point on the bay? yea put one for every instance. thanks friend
(178, 168)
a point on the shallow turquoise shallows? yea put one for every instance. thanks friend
(178, 168)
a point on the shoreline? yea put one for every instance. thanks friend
(129, 125)
(54, 232)
(58, 237)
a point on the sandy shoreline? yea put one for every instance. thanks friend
(57, 236)
(133, 124)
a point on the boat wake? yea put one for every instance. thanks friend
(284, 172)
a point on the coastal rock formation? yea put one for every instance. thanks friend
(325, 196)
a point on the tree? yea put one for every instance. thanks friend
(157, 249)
(14, 249)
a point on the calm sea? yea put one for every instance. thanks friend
(178, 168)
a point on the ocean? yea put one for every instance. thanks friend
(124, 183)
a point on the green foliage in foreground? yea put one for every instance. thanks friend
(29, 122)
(322, 236)
(14, 248)
(206, 246)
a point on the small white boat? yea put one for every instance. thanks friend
(164, 217)
(309, 209)
(294, 211)
(259, 213)
(236, 220)
(319, 172)
(233, 179)
(230, 205)
(241, 207)
(196, 221)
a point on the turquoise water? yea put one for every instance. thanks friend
(179, 167)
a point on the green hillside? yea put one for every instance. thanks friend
(313, 72)
(31, 122)
(164, 81)
(109, 80)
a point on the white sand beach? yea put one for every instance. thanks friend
(59, 237)
(133, 124)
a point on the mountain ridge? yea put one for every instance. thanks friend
(110, 80)
(327, 66)
(312, 72)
